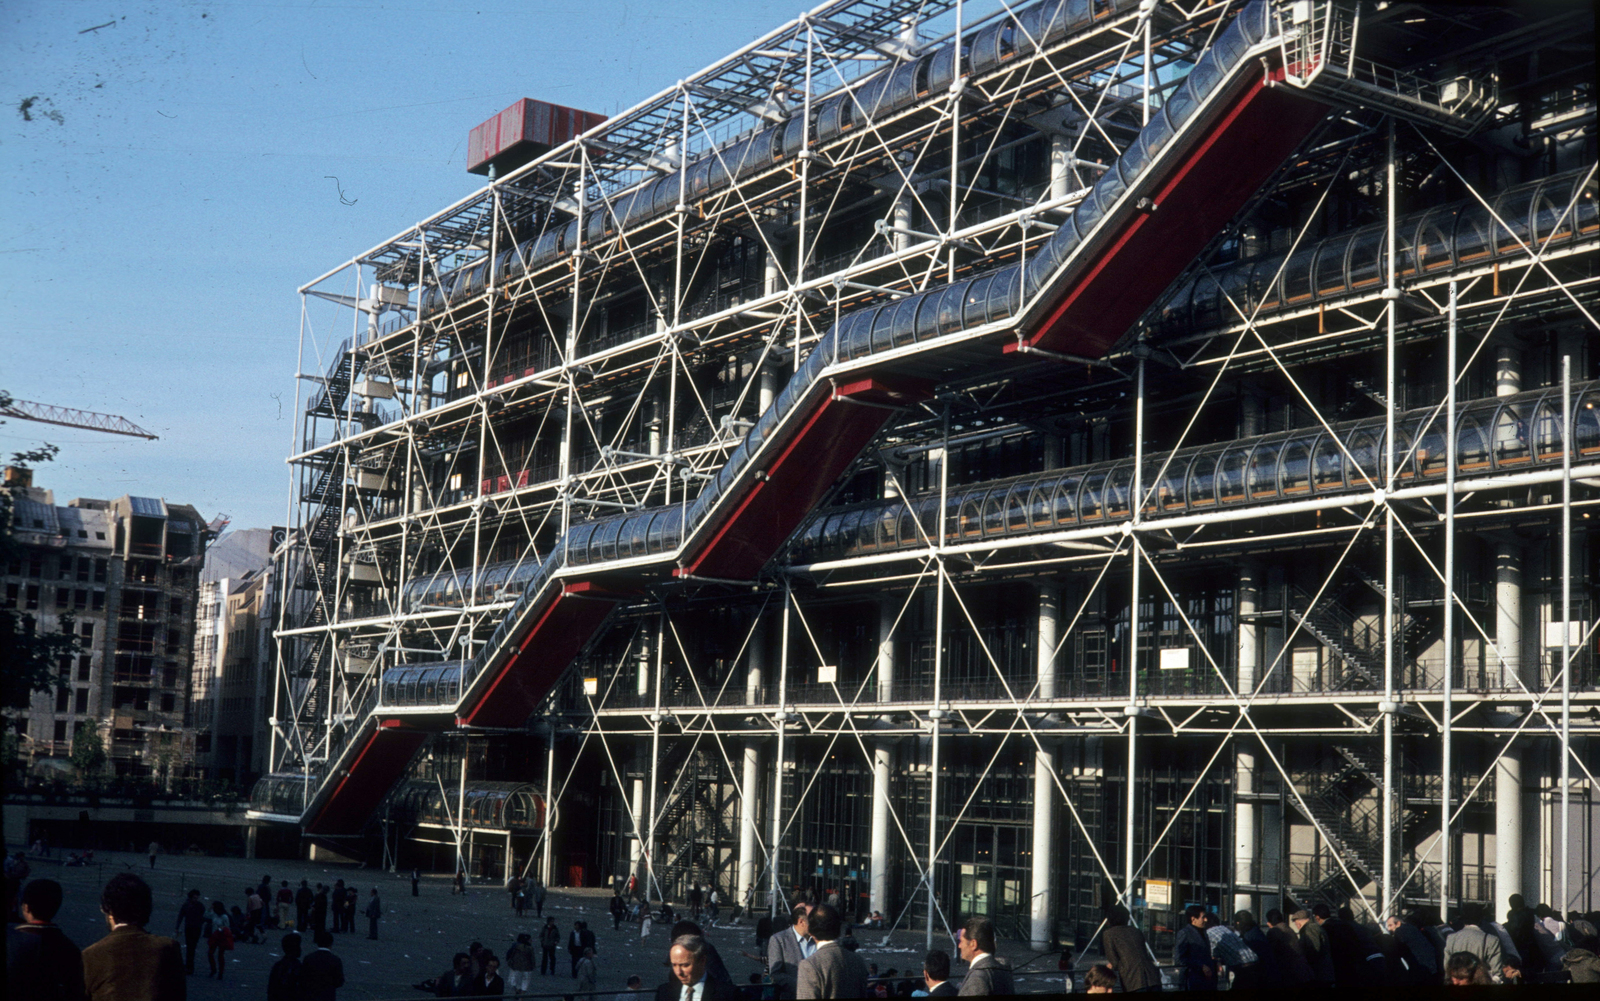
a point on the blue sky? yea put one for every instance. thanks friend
(168, 182)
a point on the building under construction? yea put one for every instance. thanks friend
(980, 458)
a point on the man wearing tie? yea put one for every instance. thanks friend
(687, 959)
(787, 948)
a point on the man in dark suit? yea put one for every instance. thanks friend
(191, 917)
(986, 972)
(832, 971)
(787, 948)
(319, 908)
(689, 982)
(41, 961)
(321, 973)
(283, 980)
(130, 964)
(575, 946)
(936, 974)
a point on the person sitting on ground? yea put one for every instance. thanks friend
(1099, 980)
(456, 981)
(41, 962)
(130, 962)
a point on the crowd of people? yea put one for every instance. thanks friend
(1320, 948)
(131, 963)
(810, 953)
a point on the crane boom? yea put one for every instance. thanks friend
(44, 413)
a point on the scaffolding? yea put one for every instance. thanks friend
(985, 458)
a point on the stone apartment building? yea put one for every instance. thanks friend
(127, 570)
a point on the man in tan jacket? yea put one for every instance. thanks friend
(130, 964)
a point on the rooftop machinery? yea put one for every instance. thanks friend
(923, 386)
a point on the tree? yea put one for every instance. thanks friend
(30, 652)
(88, 751)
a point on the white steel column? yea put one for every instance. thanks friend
(1566, 637)
(1509, 844)
(1508, 841)
(1447, 711)
(1131, 712)
(1049, 630)
(1043, 909)
(755, 665)
(768, 390)
(749, 805)
(882, 762)
(887, 609)
(1391, 293)
(1060, 165)
(655, 763)
(546, 855)
(1508, 613)
(636, 848)
(782, 721)
(935, 718)
(1246, 835)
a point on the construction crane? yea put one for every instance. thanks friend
(44, 413)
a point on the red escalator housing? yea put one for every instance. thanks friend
(549, 646)
(1235, 156)
(799, 476)
(374, 770)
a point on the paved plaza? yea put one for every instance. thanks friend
(418, 935)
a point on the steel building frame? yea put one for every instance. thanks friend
(406, 552)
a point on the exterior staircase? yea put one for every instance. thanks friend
(1344, 798)
(1320, 42)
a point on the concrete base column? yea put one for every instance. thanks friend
(1246, 839)
(1508, 615)
(1042, 895)
(1246, 842)
(1248, 656)
(887, 610)
(635, 845)
(1508, 845)
(882, 762)
(250, 841)
(755, 666)
(749, 817)
(1049, 629)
